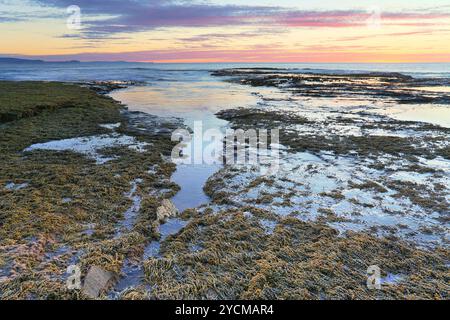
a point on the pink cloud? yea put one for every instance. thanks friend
(339, 19)
(252, 55)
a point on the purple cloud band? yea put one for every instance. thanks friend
(123, 16)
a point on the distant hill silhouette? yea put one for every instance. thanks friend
(29, 61)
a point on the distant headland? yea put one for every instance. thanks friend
(35, 61)
(30, 61)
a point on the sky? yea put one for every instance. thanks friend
(227, 31)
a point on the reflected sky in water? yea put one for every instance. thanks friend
(192, 100)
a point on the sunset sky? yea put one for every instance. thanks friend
(229, 31)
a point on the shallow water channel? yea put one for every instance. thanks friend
(194, 101)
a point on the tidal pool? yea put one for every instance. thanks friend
(193, 100)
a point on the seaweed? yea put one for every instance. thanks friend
(299, 260)
(66, 193)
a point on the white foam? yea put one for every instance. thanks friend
(111, 126)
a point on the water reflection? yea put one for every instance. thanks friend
(435, 114)
(192, 100)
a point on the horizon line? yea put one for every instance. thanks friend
(221, 62)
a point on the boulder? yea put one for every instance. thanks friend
(97, 281)
(165, 211)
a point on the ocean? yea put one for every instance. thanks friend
(190, 92)
(150, 72)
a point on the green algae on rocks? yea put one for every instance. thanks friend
(234, 257)
(60, 207)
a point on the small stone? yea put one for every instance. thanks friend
(97, 281)
(66, 200)
(166, 210)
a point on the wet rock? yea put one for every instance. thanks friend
(371, 84)
(166, 210)
(146, 124)
(105, 87)
(98, 281)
